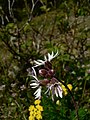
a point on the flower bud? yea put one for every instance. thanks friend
(44, 82)
(43, 72)
(50, 73)
(53, 80)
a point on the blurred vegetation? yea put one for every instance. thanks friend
(30, 29)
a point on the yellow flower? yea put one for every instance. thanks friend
(58, 102)
(38, 112)
(69, 86)
(31, 118)
(35, 111)
(64, 89)
(31, 108)
(39, 116)
(39, 107)
(65, 92)
(37, 102)
(31, 113)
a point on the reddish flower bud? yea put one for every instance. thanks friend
(53, 80)
(50, 73)
(44, 82)
(43, 72)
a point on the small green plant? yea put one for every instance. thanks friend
(48, 79)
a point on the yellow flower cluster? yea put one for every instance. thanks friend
(35, 111)
(65, 91)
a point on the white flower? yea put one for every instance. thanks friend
(36, 84)
(58, 91)
(38, 93)
(39, 63)
(48, 58)
(54, 89)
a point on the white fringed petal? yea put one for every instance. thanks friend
(39, 63)
(59, 91)
(38, 93)
(56, 92)
(49, 57)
